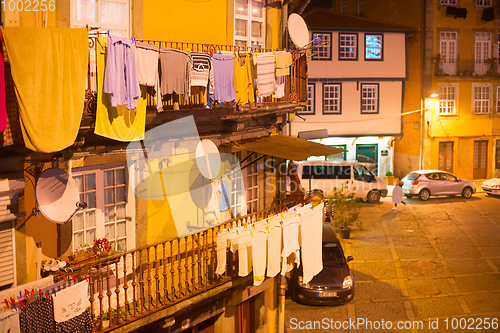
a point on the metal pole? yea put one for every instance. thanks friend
(422, 83)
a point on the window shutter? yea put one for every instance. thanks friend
(6, 253)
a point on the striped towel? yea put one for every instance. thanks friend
(265, 73)
(200, 70)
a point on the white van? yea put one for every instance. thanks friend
(327, 175)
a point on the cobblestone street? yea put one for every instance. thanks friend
(435, 263)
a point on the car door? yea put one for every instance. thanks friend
(433, 183)
(450, 184)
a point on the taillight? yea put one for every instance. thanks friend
(414, 183)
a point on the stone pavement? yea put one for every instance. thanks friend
(435, 263)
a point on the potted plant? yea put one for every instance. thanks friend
(389, 178)
(345, 211)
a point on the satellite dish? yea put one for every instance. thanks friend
(56, 195)
(208, 159)
(297, 29)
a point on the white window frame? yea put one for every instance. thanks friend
(371, 103)
(238, 209)
(448, 2)
(331, 105)
(343, 53)
(322, 52)
(311, 100)
(448, 104)
(259, 42)
(100, 229)
(252, 187)
(481, 103)
(483, 3)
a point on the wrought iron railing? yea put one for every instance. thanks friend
(129, 285)
(467, 67)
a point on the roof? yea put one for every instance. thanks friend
(329, 234)
(318, 18)
(287, 147)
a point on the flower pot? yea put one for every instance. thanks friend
(344, 233)
(389, 180)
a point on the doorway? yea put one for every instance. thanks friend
(367, 154)
(446, 156)
(480, 159)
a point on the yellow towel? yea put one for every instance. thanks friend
(49, 68)
(117, 123)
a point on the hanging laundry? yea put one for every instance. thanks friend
(291, 246)
(259, 254)
(283, 62)
(265, 73)
(224, 197)
(280, 87)
(243, 85)
(241, 241)
(311, 235)
(50, 83)
(37, 316)
(174, 75)
(461, 13)
(71, 302)
(117, 123)
(147, 63)
(223, 68)
(200, 70)
(221, 252)
(488, 14)
(120, 77)
(274, 247)
(213, 212)
(9, 322)
(3, 106)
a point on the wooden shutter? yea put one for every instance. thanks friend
(7, 266)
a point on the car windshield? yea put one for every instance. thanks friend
(363, 174)
(332, 254)
(413, 176)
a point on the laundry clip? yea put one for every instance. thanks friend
(74, 278)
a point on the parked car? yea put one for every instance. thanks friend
(427, 183)
(334, 284)
(491, 186)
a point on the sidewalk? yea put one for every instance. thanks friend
(478, 183)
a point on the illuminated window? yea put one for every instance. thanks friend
(106, 15)
(448, 2)
(331, 98)
(249, 23)
(373, 47)
(447, 102)
(322, 46)
(483, 3)
(369, 98)
(481, 100)
(348, 46)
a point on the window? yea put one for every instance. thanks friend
(249, 23)
(309, 109)
(348, 46)
(481, 100)
(448, 2)
(237, 195)
(446, 156)
(252, 188)
(369, 98)
(373, 47)
(498, 99)
(343, 6)
(339, 156)
(448, 177)
(483, 3)
(105, 192)
(113, 15)
(331, 98)
(447, 103)
(7, 253)
(497, 162)
(323, 51)
(361, 7)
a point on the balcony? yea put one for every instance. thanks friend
(134, 284)
(467, 68)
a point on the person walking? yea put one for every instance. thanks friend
(397, 195)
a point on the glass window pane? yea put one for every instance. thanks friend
(90, 219)
(257, 8)
(90, 182)
(78, 221)
(78, 240)
(109, 231)
(121, 230)
(84, 10)
(113, 13)
(240, 27)
(256, 29)
(121, 245)
(109, 196)
(79, 183)
(90, 199)
(120, 212)
(120, 176)
(109, 214)
(109, 178)
(241, 7)
(90, 236)
(120, 194)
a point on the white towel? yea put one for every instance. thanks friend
(259, 254)
(274, 248)
(290, 240)
(221, 252)
(71, 302)
(241, 241)
(213, 211)
(265, 73)
(311, 234)
(146, 58)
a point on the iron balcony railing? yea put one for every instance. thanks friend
(133, 284)
(295, 83)
(467, 67)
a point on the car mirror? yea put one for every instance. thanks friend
(350, 258)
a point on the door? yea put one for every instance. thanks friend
(480, 159)
(245, 318)
(450, 184)
(482, 53)
(448, 51)
(367, 154)
(446, 156)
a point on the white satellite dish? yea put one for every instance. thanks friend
(57, 195)
(297, 29)
(208, 159)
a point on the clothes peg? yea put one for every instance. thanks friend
(54, 290)
(40, 290)
(47, 295)
(64, 278)
(74, 278)
(86, 278)
(6, 302)
(21, 301)
(20, 295)
(14, 305)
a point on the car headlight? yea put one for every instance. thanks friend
(302, 284)
(347, 282)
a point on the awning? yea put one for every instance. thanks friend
(287, 147)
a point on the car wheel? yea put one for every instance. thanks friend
(424, 194)
(409, 196)
(467, 192)
(373, 197)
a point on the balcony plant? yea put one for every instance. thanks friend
(389, 178)
(345, 211)
(101, 248)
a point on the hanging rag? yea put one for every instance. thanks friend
(3, 106)
(283, 63)
(274, 248)
(174, 75)
(461, 13)
(280, 87)
(117, 123)
(120, 77)
(291, 246)
(146, 56)
(213, 212)
(221, 252)
(71, 302)
(50, 83)
(223, 68)
(488, 14)
(451, 11)
(224, 196)
(241, 241)
(243, 85)
(200, 70)
(9, 322)
(259, 254)
(311, 235)
(265, 73)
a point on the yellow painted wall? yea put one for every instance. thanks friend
(186, 21)
(25, 14)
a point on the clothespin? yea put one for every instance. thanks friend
(74, 278)
(47, 295)
(20, 294)
(86, 278)
(211, 53)
(33, 291)
(6, 302)
(64, 278)
(26, 292)
(87, 26)
(108, 32)
(54, 290)
(40, 290)
(13, 303)
(21, 301)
